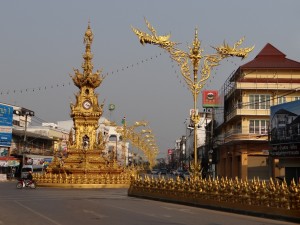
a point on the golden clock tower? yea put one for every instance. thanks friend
(86, 112)
(85, 165)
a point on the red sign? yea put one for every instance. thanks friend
(210, 98)
(170, 151)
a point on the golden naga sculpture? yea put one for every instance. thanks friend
(163, 41)
(189, 63)
(225, 49)
(195, 54)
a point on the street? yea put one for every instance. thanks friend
(46, 206)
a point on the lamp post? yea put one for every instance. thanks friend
(190, 61)
(144, 140)
(24, 112)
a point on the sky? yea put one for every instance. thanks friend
(42, 41)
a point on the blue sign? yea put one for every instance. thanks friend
(6, 118)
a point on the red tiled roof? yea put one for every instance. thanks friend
(271, 57)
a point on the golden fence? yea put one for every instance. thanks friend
(268, 197)
(49, 178)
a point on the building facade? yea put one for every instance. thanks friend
(241, 137)
(29, 142)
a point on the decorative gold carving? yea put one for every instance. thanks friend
(189, 63)
(142, 140)
(85, 163)
(240, 192)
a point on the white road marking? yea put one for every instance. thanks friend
(179, 209)
(37, 213)
(94, 213)
(168, 216)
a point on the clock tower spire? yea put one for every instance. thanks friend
(86, 111)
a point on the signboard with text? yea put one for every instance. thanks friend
(285, 150)
(284, 130)
(6, 118)
(210, 98)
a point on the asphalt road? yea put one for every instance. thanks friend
(46, 206)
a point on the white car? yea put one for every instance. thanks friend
(154, 171)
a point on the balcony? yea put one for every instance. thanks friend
(232, 87)
(267, 85)
(246, 111)
(242, 135)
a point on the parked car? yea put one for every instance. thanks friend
(154, 171)
(173, 172)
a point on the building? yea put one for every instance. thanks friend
(285, 140)
(115, 144)
(31, 139)
(242, 122)
(183, 153)
(32, 143)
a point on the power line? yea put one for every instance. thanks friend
(62, 85)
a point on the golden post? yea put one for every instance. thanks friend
(190, 61)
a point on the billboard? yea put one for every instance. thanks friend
(37, 160)
(210, 98)
(285, 130)
(6, 118)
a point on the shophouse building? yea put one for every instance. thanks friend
(241, 134)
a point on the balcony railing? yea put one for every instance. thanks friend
(232, 87)
(241, 135)
(246, 110)
(246, 137)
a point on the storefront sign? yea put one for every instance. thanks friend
(285, 150)
(6, 118)
(210, 98)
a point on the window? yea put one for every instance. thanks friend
(259, 101)
(297, 98)
(281, 100)
(16, 122)
(258, 126)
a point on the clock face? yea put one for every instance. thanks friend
(87, 104)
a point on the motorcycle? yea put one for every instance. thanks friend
(22, 183)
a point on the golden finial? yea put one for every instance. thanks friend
(87, 77)
(196, 46)
(196, 33)
(88, 36)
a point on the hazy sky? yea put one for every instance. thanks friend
(42, 41)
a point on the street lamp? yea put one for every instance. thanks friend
(191, 61)
(144, 140)
(24, 112)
